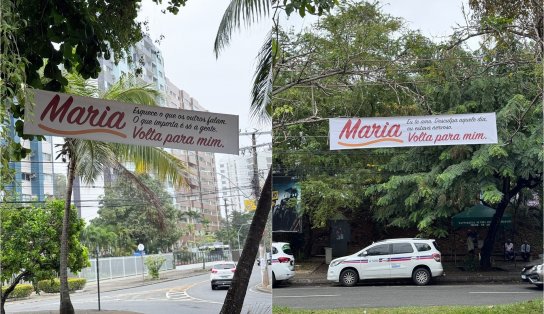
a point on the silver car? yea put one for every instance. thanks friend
(533, 274)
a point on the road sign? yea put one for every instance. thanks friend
(140, 247)
(249, 205)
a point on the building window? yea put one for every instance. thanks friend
(46, 157)
(26, 197)
(47, 179)
(26, 176)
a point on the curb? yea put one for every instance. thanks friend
(440, 280)
(262, 289)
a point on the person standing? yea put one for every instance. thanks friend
(525, 251)
(509, 250)
(470, 242)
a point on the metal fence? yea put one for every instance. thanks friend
(116, 267)
(186, 258)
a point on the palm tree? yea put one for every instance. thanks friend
(248, 12)
(88, 159)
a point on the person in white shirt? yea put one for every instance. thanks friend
(525, 251)
(508, 250)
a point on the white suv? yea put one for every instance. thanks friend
(415, 258)
(283, 262)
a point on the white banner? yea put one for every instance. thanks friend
(459, 129)
(112, 121)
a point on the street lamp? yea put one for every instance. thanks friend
(239, 250)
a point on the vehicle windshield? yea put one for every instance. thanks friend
(224, 266)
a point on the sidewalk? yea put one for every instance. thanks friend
(314, 272)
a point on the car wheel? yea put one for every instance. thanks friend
(421, 276)
(349, 277)
(539, 286)
(274, 281)
(214, 287)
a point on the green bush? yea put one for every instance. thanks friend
(76, 283)
(153, 264)
(53, 285)
(20, 291)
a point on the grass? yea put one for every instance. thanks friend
(527, 307)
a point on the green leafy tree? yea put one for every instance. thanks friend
(237, 221)
(126, 207)
(97, 238)
(361, 62)
(30, 249)
(351, 63)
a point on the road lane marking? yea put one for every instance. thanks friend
(498, 292)
(180, 294)
(307, 296)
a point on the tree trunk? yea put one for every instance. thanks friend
(237, 291)
(6, 293)
(489, 242)
(308, 236)
(66, 306)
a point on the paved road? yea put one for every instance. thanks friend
(189, 295)
(386, 295)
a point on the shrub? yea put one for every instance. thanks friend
(153, 264)
(49, 285)
(20, 291)
(76, 283)
(53, 285)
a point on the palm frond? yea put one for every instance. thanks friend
(127, 89)
(92, 158)
(238, 12)
(154, 160)
(262, 83)
(77, 85)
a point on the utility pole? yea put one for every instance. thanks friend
(254, 145)
(256, 189)
(227, 219)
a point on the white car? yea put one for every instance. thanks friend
(414, 258)
(283, 262)
(221, 274)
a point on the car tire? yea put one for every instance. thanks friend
(421, 276)
(274, 281)
(349, 278)
(214, 287)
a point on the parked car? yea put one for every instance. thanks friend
(418, 259)
(221, 274)
(283, 262)
(533, 273)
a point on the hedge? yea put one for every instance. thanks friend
(53, 285)
(20, 291)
